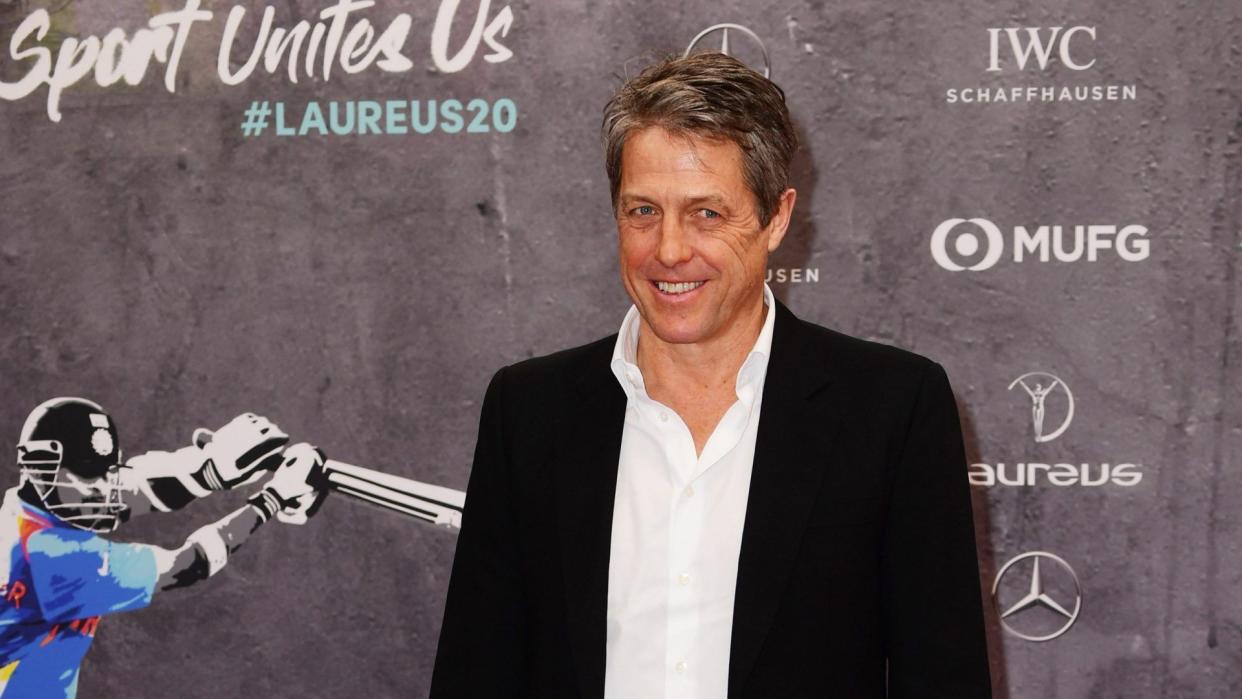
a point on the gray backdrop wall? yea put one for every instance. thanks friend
(361, 289)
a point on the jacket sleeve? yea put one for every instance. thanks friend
(934, 626)
(483, 638)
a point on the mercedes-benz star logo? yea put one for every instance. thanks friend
(725, 47)
(1039, 385)
(1036, 614)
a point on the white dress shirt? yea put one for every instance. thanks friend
(676, 533)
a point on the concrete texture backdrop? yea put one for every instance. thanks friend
(362, 290)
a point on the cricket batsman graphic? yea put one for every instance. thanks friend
(59, 576)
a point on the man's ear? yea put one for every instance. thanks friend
(780, 218)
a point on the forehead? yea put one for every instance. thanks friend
(656, 156)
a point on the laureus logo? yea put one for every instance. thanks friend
(1049, 403)
(1037, 595)
(1044, 389)
(752, 49)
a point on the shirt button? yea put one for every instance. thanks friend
(683, 579)
(689, 491)
(680, 666)
(663, 417)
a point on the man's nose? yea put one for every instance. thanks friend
(675, 245)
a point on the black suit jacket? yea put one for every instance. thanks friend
(857, 573)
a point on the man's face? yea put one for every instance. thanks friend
(97, 499)
(72, 489)
(692, 252)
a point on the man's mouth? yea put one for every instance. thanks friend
(678, 287)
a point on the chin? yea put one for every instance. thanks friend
(677, 332)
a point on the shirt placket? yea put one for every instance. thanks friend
(686, 524)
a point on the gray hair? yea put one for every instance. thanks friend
(714, 96)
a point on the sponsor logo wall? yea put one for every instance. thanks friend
(346, 215)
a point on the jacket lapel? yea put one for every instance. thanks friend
(585, 469)
(791, 448)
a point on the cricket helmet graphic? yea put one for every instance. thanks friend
(69, 452)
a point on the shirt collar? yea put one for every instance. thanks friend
(750, 375)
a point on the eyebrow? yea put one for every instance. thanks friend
(705, 199)
(630, 197)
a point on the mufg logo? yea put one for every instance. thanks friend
(1023, 47)
(977, 244)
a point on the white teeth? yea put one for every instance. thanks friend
(678, 287)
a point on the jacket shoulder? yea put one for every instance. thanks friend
(561, 370)
(857, 357)
(533, 396)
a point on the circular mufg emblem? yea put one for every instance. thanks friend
(956, 247)
(1052, 404)
(750, 50)
(1037, 596)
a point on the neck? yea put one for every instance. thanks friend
(708, 365)
(28, 493)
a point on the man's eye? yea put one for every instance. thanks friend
(645, 210)
(708, 213)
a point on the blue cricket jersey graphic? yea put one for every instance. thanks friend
(60, 580)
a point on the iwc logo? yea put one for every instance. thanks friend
(1037, 596)
(1034, 58)
(752, 51)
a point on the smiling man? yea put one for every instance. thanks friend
(721, 499)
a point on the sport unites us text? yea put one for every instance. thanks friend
(341, 37)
